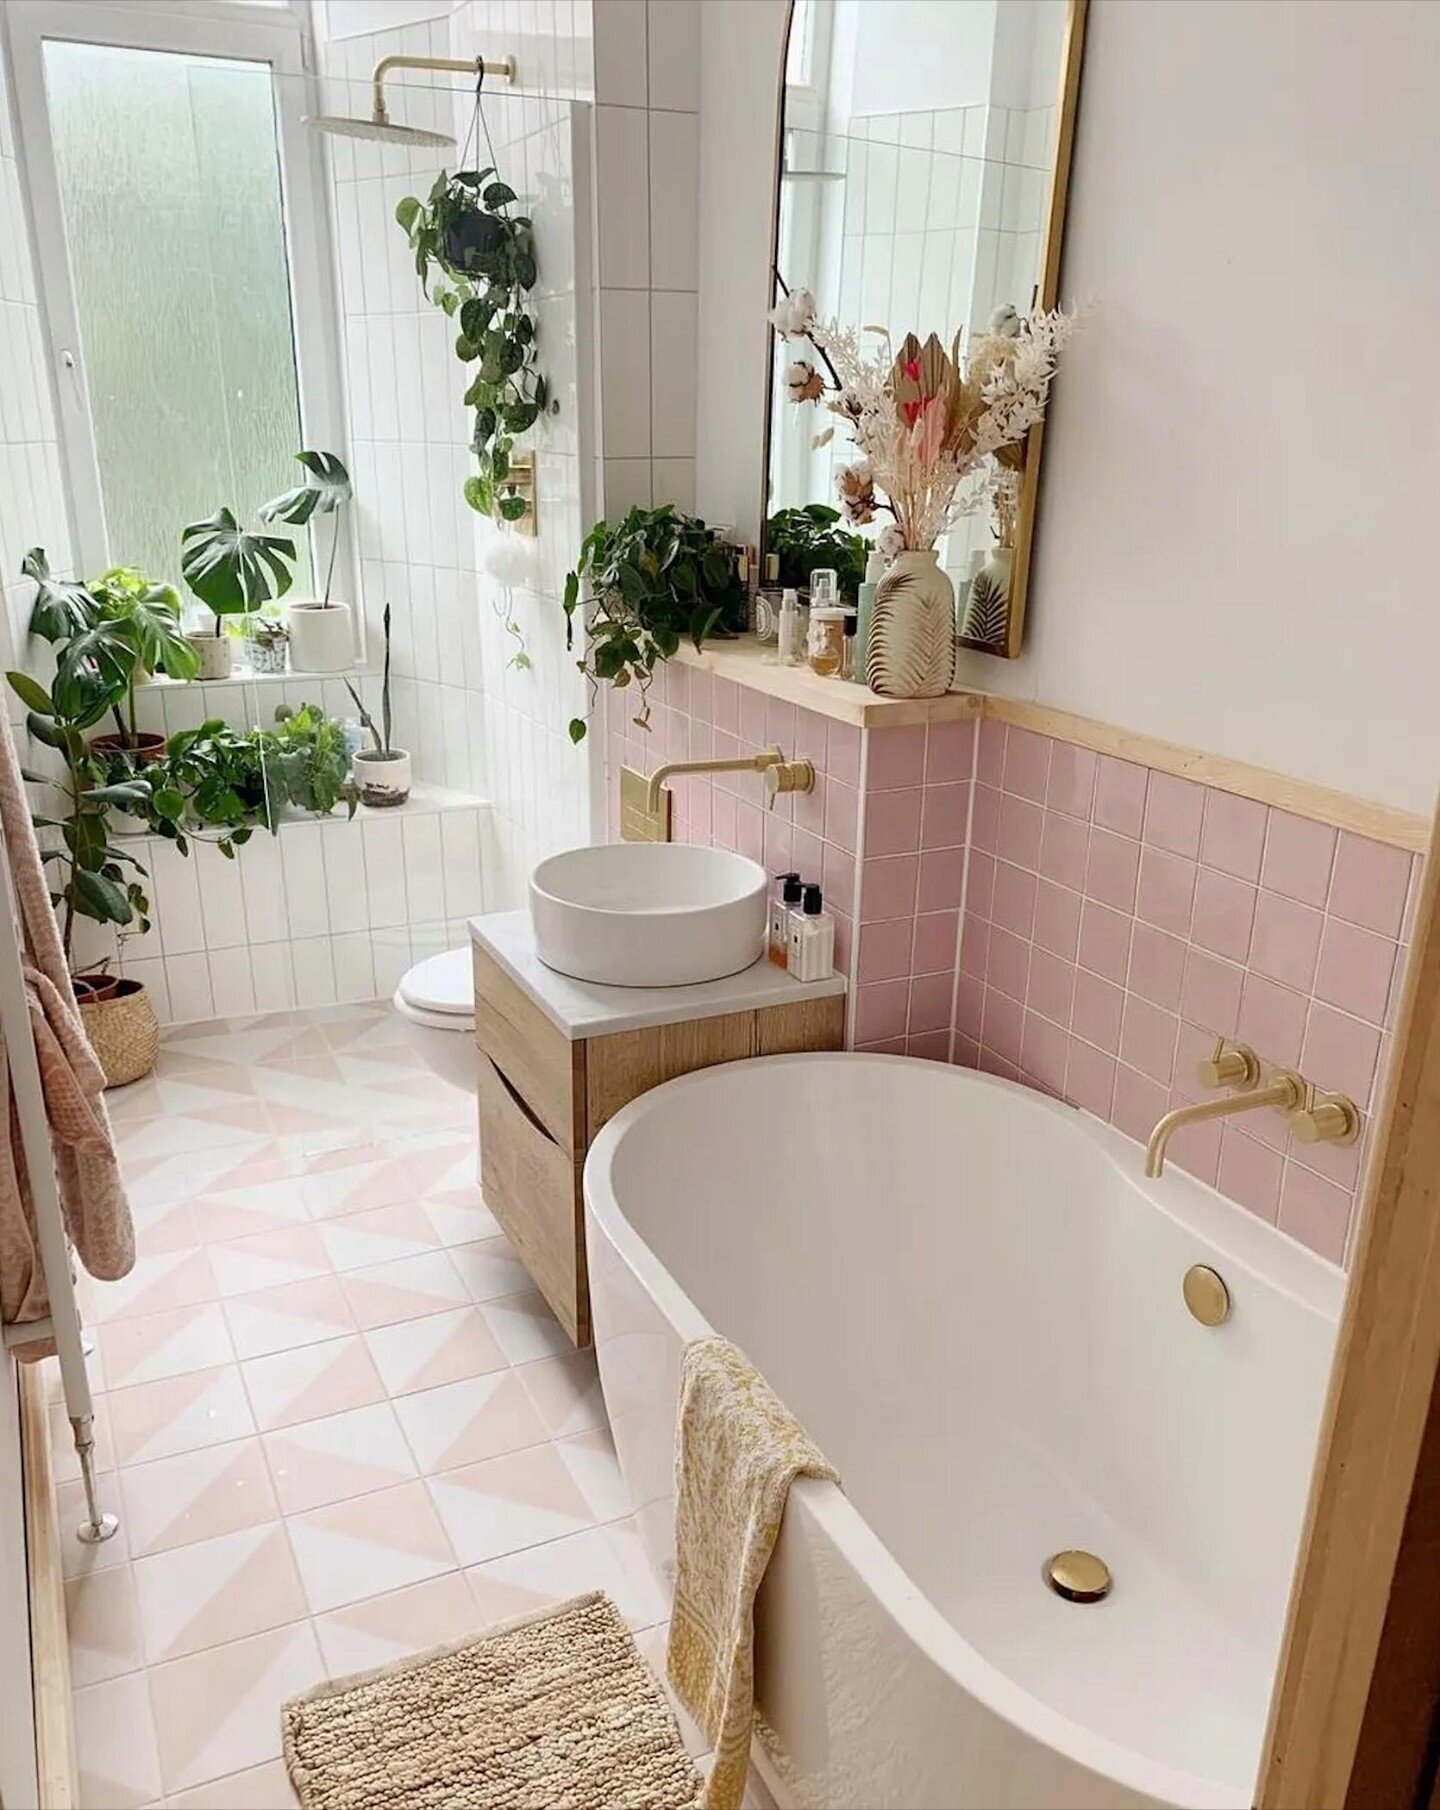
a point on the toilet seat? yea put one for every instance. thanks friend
(439, 992)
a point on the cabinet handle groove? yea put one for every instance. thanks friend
(524, 1106)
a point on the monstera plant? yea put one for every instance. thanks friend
(233, 571)
(320, 637)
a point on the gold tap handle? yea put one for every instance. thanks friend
(1230, 1065)
(1327, 1119)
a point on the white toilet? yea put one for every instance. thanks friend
(437, 1001)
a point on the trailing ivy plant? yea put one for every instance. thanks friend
(476, 260)
(654, 577)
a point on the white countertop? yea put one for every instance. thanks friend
(583, 1008)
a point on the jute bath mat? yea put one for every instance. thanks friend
(552, 1711)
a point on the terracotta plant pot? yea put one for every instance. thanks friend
(213, 653)
(145, 747)
(123, 1031)
(383, 779)
(320, 637)
(94, 986)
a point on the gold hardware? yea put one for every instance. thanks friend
(1080, 1577)
(1284, 1091)
(504, 69)
(794, 776)
(1326, 1119)
(1206, 1295)
(638, 822)
(788, 776)
(522, 479)
(1231, 1065)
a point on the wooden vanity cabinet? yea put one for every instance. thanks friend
(543, 1097)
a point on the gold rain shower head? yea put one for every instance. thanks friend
(379, 124)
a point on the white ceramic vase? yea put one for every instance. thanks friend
(320, 638)
(912, 635)
(383, 779)
(985, 620)
(213, 653)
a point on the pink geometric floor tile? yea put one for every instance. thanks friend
(224, 1213)
(103, 1624)
(178, 1414)
(490, 1269)
(460, 1219)
(197, 1496)
(62, 1441)
(343, 1455)
(162, 1226)
(115, 1741)
(591, 1461)
(216, 1591)
(377, 1235)
(505, 1504)
(294, 1313)
(175, 1278)
(257, 1788)
(404, 1290)
(311, 1382)
(151, 1346)
(435, 1349)
(382, 1629)
(567, 1392)
(600, 1558)
(377, 1175)
(77, 1559)
(266, 1259)
(525, 1327)
(465, 1422)
(369, 1545)
(218, 1713)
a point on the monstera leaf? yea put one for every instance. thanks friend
(324, 491)
(62, 606)
(93, 673)
(231, 569)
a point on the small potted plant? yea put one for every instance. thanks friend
(307, 762)
(382, 773)
(234, 573)
(320, 637)
(268, 646)
(134, 611)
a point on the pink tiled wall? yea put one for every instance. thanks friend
(1118, 920)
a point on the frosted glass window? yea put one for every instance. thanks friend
(170, 189)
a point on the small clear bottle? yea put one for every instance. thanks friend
(788, 894)
(812, 938)
(826, 641)
(849, 664)
(791, 647)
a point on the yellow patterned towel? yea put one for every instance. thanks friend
(737, 1450)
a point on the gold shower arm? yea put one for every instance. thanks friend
(504, 68)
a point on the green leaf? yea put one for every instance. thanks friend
(407, 212)
(525, 270)
(126, 795)
(577, 729)
(327, 489)
(479, 495)
(93, 672)
(62, 607)
(512, 508)
(97, 897)
(30, 692)
(465, 349)
(45, 729)
(232, 570)
(168, 802)
(499, 194)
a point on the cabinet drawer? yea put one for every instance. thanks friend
(532, 1186)
(523, 1044)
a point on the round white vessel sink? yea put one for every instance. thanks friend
(649, 914)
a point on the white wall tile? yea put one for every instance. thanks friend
(625, 373)
(304, 868)
(673, 481)
(674, 34)
(674, 200)
(273, 972)
(232, 988)
(314, 972)
(222, 896)
(623, 188)
(620, 60)
(354, 966)
(264, 884)
(424, 868)
(176, 893)
(390, 956)
(673, 378)
(384, 847)
(344, 859)
(460, 854)
(188, 980)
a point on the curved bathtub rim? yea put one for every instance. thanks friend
(896, 1593)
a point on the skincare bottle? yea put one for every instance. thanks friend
(848, 663)
(825, 641)
(874, 572)
(787, 895)
(792, 647)
(824, 588)
(812, 938)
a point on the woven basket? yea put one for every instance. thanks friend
(124, 1032)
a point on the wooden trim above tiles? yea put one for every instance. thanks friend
(49, 1638)
(744, 662)
(1382, 822)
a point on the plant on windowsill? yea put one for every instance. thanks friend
(382, 773)
(808, 539)
(234, 572)
(320, 637)
(267, 646)
(654, 577)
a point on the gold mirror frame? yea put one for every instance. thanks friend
(1047, 296)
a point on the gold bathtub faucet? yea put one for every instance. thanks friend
(645, 803)
(1314, 1118)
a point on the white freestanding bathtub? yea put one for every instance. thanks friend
(972, 1299)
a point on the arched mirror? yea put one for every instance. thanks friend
(924, 159)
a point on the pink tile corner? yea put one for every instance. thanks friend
(1369, 884)
(1026, 769)
(1232, 836)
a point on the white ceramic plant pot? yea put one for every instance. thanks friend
(126, 823)
(912, 636)
(383, 779)
(213, 653)
(985, 619)
(320, 638)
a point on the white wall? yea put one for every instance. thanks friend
(1234, 547)
(923, 55)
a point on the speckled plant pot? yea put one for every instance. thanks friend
(383, 779)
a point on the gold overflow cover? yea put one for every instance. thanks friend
(1206, 1295)
(1080, 1577)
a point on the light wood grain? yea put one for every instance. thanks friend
(810, 1024)
(627, 1064)
(532, 1187)
(522, 1042)
(745, 662)
(1329, 1690)
(49, 1640)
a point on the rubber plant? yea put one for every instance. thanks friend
(232, 570)
(476, 260)
(655, 577)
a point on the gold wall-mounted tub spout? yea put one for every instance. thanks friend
(1284, 1091)
(645, 803)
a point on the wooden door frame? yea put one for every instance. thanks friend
(1354, 1707)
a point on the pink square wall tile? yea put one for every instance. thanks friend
(1044, 1052)
(1112, 870)
(1120, 788)
(1250, 1173)
(1051, 990)
(1224, 914)
(1057, 919)
(778, 839)
(1196, 1149)
(1165, 896)
(1340, 1053)
(753, 716)
(807, 854)
(1315, 1212)
(1355, 969)
(1090, 1079)
(965, 1052)
(808, 808)
(1026, 769)
(1272, 1019)
(1285, 943)
(975, 946)
(896, 758)
(930, 1002)
(881, 1009)
(991, 1063)
(1008, 967)
(969, 1006)
(1012, 901)
(1019, 834)
(885, 1046)
(1139, 1102)
(1299, 855)
(1072, 780)
(723, 817)
(725, 705)
(985, 818)
(1147, 1039)
(1173, 811)
(844, 941)
(837, 876)
(943, 820)
(842, 814)
(990, 752)
(942, 878)
(892, 822)
(1104, 941)
(1064, 850)
(1097, 1011)
(750, 831)
(887, 887)
(1369, 884)
(885, 949)
(1157, 966)
(780, 724)
(1232, 837)
(936, 935)
(928, 1046)
(702, 686)
(949, 753)
(1210, 992)
(1002, 1024)
(842, 753)
(979, 882)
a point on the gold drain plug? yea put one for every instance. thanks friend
(1080, 1577)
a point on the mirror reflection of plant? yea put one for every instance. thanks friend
(326, 491)
(809, 539)
(233, 570)
(484, 257)
(654, 577)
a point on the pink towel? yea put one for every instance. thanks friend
(92, 1196)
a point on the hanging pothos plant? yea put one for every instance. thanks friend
(476, 260)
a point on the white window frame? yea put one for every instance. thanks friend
(218, 28)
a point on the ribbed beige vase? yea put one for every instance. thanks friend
(912, 639)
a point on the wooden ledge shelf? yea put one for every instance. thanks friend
(745, 662)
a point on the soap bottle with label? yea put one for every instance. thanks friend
(812, 938)
(787, 895)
